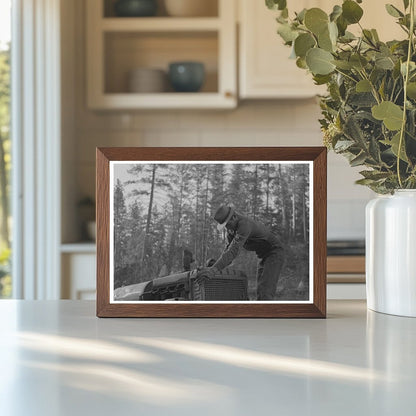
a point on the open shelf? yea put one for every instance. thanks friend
(167, 100)
(116, 46)
(210, 7)
(127, 51)
(160, 24)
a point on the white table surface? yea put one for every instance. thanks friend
(57, 358)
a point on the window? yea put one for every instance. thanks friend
(5, 145)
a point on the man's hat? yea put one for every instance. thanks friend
(223, 215)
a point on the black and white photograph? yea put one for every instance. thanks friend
(210, 232)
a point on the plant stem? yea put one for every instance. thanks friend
(346, 75)
(373, 88)
(406, 79)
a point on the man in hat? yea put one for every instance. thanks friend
(243, 232)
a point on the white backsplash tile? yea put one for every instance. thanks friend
(346, 219)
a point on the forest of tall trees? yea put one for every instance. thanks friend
(162, 209)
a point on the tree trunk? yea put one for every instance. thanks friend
(149, 215)
(267, 194)
(255, 184)
(196, 236)
(179, 218)
(171, 249)
(204, 230)
(283, 202)
(293, 216)
(304, 216)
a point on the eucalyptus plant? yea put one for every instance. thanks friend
(369, 111)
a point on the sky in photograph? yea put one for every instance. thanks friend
(5, 19)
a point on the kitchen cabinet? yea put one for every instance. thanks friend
(78, 263)
(265, 70)
(118, 45)
(346, 277)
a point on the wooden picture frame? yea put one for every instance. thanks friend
(312, 307)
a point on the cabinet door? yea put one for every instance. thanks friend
(78, 276)
(265, 68)
(376, 17)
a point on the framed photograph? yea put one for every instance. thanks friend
(211, 232)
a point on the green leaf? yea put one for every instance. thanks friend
(411, 90)
(292, 52)
(391, 114)
(316, 20)
(396, 70)
(343, 145)
(358, 160)
(281, 19)
(353, 131)
(393, 11)
(382, 89)
(358, 61)
(301, 15)
(345, 65)
(325, 42)
(336, 12)
(412, 67)
(374, 174)
(321, 79)
(368, 36)
(362, 99)
(394, 144)
(411, 123)
(347, 37)
(375, 35)
(365, 182)
(406, 4)
(351, 11)
(301, 63)
(374, 150)
(276, 4)
(287, 33)
(363, 86)
(319, 61)
(303, 43)
(333, 32)
(384, 62)
(342, 25)
(405, 21)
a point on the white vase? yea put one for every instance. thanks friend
(391, 253)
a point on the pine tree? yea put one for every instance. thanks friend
(120, 228)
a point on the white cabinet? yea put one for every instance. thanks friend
(118, 45)
(78, 263)
(265, 69)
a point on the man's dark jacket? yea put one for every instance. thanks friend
(252, 236)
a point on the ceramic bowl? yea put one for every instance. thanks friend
(135, 8)
(147, 80)
(186, 76)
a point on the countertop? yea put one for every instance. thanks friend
(57, 358)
